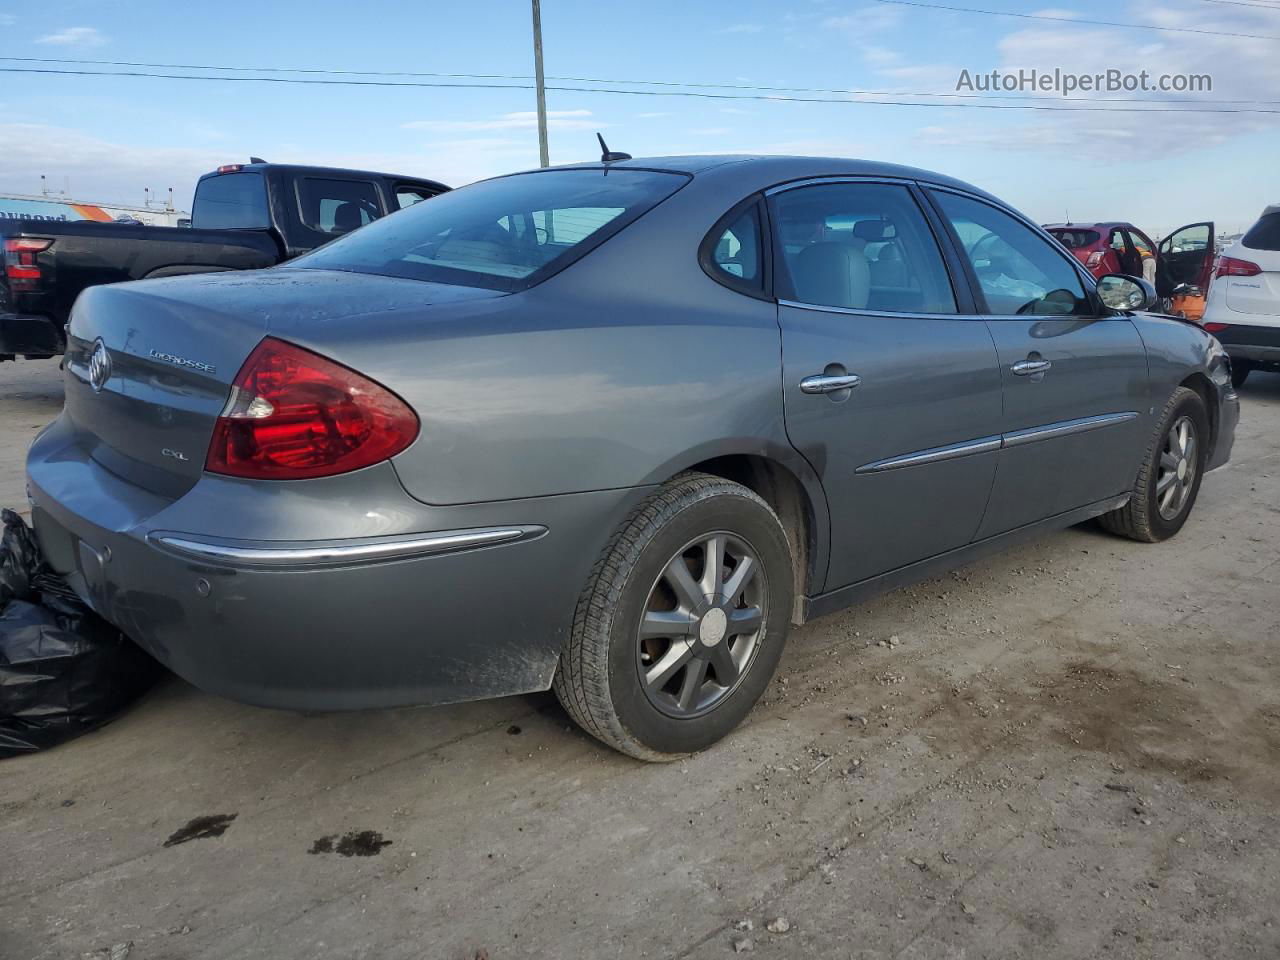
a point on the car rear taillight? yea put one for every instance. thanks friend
(294, 414)
(230, 168)
(1216, 327)
(1231, 267)
(20, 266)
(1095, 258)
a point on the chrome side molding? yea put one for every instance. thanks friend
(1066, 428)
(1016, 438)
(338, 553)
(933, 455)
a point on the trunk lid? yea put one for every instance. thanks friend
(171, 348)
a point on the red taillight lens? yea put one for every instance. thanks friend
(1216, 327)
(20, 267)
(230, 168)
(1095, 258)
(1231, 267)
(294, 414)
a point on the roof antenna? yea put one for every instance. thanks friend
(607, 155)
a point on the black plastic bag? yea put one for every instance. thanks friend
(63, 669)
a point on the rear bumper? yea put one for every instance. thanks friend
(30, 336)
(460, 603)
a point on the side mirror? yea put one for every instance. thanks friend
(1121, 292)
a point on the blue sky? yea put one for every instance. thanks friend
(112, 136)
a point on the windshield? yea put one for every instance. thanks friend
(1075, 239)
(504, 234)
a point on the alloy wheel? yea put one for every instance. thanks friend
(702, 624)
(1177, 468)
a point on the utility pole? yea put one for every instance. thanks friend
(544, 156)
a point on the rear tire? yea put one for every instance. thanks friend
(670, 648)
(1169, 478)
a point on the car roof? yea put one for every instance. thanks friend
(1101, 224)
(345, 173)
(779, 168)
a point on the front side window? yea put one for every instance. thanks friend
(337, 206)
(1018, 270)
(504, 234)
(231, 201)
(860, 246)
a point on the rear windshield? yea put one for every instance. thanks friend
(231, 201)
(1265, 234)
(1075, 239)
(504, 234)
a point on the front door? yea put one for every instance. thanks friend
(1186, 262)
(892, 396)
(1075, 378)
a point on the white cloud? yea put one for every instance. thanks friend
(521, 120)
(75, 37)
(743, 28)
(7, 19)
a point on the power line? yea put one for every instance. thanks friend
(1076, 20)
(637, 93)
(1255, 4)
(648, 83)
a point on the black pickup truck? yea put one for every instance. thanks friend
(243, 217)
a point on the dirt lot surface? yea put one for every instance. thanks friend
(1071, 750)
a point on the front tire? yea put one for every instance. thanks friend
(1169, 479)
(682, 621)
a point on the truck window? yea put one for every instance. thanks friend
(407, 196)
(337, 206)
(231, 201)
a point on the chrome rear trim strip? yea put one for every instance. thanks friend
(933, 455)
(1067, 427)
(343, 553)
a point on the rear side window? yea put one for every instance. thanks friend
(337, 206)
(732, 253)
(860, 246)
(1019, 271)
(231, 201)
(504, 234)
(407, 196)
(1076, 239)
(1265, 234)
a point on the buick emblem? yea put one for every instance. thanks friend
(99, 366)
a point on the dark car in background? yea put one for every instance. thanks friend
(244, 216)
(1180, 266)
(610, 429)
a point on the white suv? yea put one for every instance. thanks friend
(1243, 309)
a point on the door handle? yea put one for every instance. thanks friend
(827, 383)
(1029, 368)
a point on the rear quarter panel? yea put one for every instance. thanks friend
(618, 372)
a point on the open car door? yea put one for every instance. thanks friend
(1186, 257)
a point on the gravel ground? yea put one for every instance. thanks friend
(1070, 750)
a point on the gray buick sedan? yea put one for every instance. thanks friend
(608, 429)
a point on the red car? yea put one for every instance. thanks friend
(1179, 267)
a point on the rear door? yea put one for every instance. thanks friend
(1074, 379)
(890, 383)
